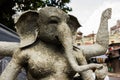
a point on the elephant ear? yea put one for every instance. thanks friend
(27, 28)
(73, 23)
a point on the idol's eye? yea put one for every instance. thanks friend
(53, 20)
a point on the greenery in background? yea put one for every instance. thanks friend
(6, 8)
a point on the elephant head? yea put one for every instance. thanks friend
(45, 25)
(50, 25)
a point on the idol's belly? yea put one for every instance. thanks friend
(44, 65)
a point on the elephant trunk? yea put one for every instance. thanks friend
(65, 37)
